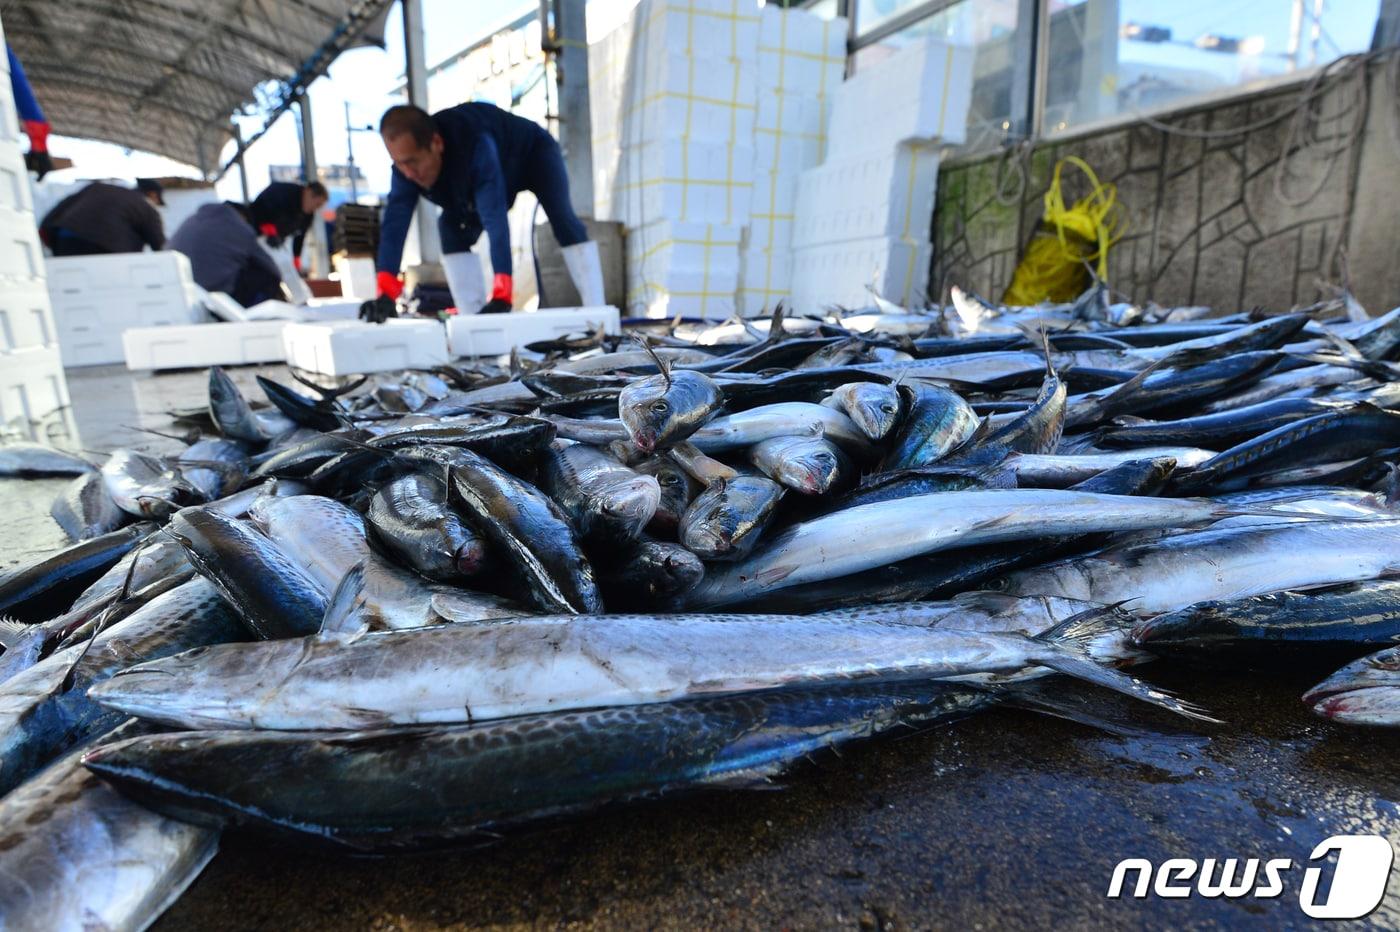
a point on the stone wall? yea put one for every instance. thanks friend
(1226, 221)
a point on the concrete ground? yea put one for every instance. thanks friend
(1007, 820)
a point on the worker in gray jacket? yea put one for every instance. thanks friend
(105, 218)
(225, 255)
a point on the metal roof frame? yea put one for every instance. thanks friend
(167, 76)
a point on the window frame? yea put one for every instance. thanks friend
(1028, 104)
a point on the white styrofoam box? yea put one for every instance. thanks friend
(352, 347)
(875, 193)
(765, 278)
(922, 92)
(15, 191)
(332, 309)
(357, 278)
(194, 345)
(78, 274)
(686, 268)
(25, 318)
(693, 97)
(718, 28)
(685, 181)
(800, 51)
(839, 273)
(90, 325)
(660, 247)
(772, 211)
(498, 334)
(32, 387)
(789, 131)
(222, 307)
(9, 120)
(21, 256)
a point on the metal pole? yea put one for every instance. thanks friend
(416, 67)
(319, 265)
(308, 140)
(575, 123)
(242, 168)
(350, 156)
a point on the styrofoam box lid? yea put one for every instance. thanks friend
(348, 347)
(498, 334)
(118, 270)
(216, 344)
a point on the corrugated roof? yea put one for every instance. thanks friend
(167, 75)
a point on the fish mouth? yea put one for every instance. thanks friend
(468, 559)
(1354, 705)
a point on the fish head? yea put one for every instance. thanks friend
(207, 687)
(1197, 626)
(1364, 692)
(662, 410)
(629, 504)
(873, 407)
(683, 568)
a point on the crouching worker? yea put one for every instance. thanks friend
(472, 160)
(221, 242)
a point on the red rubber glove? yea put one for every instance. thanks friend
(389, 285)
(296, 263)
(268, 229)
(501, 288)
(38, 133)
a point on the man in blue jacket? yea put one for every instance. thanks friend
(472, 160)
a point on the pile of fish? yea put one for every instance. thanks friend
(416, 611)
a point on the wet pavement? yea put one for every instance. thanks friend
(1007, 820)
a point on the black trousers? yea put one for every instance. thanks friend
(255, 284)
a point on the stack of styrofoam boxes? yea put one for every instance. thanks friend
(674, 124)
(32, 386)
(96, 298)
(864, 215)
(801, 59)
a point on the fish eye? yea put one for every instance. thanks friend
(887, 408)
(670, 478)
(660, 407)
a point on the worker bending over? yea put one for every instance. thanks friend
(105, 218)
(472, 160)
(221, 242)
(285, 209)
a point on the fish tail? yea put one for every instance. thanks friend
(1067, 660)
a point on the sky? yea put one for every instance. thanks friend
(362, 77)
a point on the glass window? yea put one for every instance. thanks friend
(1121, 57)
(826, 9)
(990, 27)
(872, 13)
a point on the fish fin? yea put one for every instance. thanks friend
(344, 615)
(1091, 623)
(662, 365)
(12, 632)
(1048, 697)
(774, 575)
(1069, 660)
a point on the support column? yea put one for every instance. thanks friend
(242, 167)
(429, 249)
(575, 123)
(314, 246)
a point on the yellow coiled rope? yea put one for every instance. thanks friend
(1054, 265)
